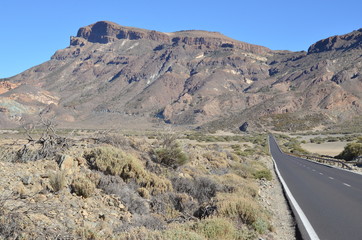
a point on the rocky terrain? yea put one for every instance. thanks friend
(96, 185)
(114, 75)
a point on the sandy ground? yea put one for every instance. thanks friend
(327, 148)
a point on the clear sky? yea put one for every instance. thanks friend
(32, 30)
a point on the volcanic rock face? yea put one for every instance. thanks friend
(113, 74)
(344, 42)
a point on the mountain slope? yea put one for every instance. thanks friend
(112, 74)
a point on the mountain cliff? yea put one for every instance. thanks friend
(111, 75)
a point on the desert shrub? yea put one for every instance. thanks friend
(217, 160)
(184, 203)
(164, 204)
(115, 185)
(266, 174)
(169, 152)
(83, 186)
(243, 209)
(110, 184)
(317, 140)
(172, 157)
(114, 161)
(236, 184)
(10, 221)
(351, 151)
(200, 188)
(7, 154)
(57, 181)
(215, 228)
(133, 201)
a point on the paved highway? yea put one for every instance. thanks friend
(330, 198)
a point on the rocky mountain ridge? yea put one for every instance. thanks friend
(113, 75)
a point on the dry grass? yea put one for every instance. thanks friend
(215, 228)
(57, 181)
(243, 209)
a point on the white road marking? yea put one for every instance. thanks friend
(347, 184)
(321, 173)
(330, 178)
(313, 170)
(308, 227)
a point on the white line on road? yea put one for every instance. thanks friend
(321, 173)
(330, 178)
(308, 227)
(347, 184)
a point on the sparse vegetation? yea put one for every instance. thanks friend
(209, 193)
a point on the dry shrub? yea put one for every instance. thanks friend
(217, 159)
(236, 184)
(114, 161)
(115, 185)
(245, 210)
(58, 181)
(215, 228)
(169, 151)
(83, 186)
(7, 154)
(200, 188)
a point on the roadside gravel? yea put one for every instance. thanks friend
(272, 197)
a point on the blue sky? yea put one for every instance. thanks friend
(31, 31)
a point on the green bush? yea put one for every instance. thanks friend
(169, 152)
(172, 157)
(351, 151)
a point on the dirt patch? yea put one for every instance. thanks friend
(327, 148)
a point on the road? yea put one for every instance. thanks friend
(330, 198)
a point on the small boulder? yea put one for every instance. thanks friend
(67, 164)
(244, 127)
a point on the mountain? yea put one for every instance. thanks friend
(113, 76)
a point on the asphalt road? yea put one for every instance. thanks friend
(330, 198)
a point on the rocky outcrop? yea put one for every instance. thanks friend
(105, 32)
(349, 41)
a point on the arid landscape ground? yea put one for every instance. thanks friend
(89, 184)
